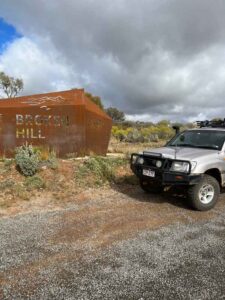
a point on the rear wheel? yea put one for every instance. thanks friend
(151, 187)
(204, 195)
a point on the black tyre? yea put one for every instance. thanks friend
(151, 187)
(204, 195)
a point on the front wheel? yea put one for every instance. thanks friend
(204, 195)
(151, 187)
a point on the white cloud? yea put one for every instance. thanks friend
(39, 65)
(152, 59)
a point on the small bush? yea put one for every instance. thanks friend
(99, 170)
(52, 161)
(6, 184)
(34, 183)
(20, 191)
(44, 152)
(27, 160)
(8, 163)
(135, 136)
(143, 133)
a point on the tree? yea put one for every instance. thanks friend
(115, 114)
(97, 100)
(163, 123)
(216, 120)
(10, 86)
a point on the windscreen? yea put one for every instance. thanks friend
(208, 139)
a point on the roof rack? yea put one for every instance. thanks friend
(213, 123)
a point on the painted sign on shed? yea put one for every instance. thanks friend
(66, 122)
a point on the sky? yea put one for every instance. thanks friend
(7, 35)
(152, 59)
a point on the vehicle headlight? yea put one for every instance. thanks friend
(140, 160)
(180, 166)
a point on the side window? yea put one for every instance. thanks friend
(219, 139)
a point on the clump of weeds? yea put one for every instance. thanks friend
(98, 170)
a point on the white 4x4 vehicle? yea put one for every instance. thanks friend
(193, 159)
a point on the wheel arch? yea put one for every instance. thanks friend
(214, 172)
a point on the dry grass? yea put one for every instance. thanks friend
(72, 177)
(60, 186)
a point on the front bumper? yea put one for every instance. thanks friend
(164, 177)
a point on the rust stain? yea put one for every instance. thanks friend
(66, 122)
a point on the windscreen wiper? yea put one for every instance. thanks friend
(183, 145)
(212, 147)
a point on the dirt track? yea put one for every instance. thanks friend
(122, 244)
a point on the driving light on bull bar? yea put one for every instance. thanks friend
(140, 160)
(180, 166)
(158, 164)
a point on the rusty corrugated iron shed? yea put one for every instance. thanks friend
(66, 122)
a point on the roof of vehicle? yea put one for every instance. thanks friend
(208, 129)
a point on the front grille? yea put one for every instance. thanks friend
(151, 162)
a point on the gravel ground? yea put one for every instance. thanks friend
(185, 259)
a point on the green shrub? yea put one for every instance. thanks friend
(34, 183)
(6, 184)
(20, 191)
(99, 169)
(135, 136)
(52, 161)
(8, 163)
(143, 133)
(27, 160)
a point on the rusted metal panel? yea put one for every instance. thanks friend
(66, 122)
(98, 129)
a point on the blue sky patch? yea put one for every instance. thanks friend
(8, 33)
